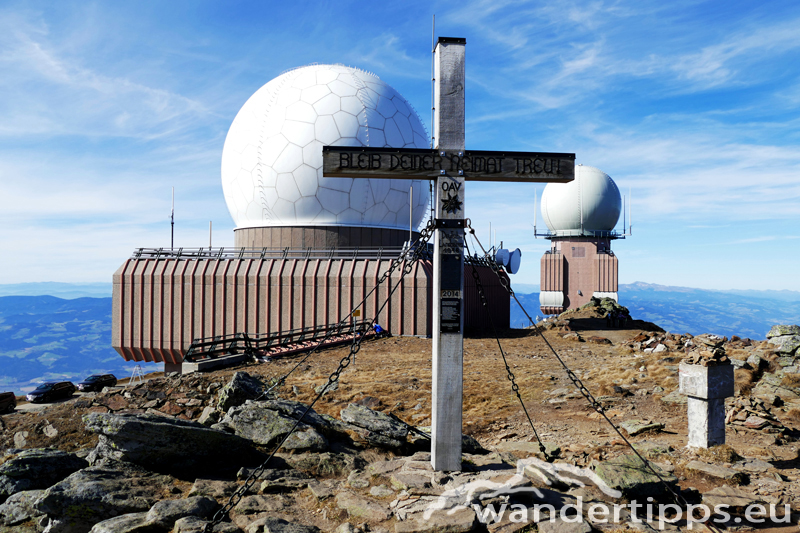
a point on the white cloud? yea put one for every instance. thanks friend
(48, 91)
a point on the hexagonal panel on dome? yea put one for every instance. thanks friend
(271, 162)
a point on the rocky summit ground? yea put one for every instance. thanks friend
(165, 454)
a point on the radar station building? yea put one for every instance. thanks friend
(581, 216)
(308, 249)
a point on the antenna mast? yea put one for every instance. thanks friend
(172, 223)
(624, 224)
(433, 75)
(410, 212)
(630, 212)
(535, 202)
(433, 104)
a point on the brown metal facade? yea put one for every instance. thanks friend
(578, 267)
(606, 268)
(161, 305)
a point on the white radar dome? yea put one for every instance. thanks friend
(272, 159)
(589, 205)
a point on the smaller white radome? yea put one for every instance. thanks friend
(272, 159)
(588, 205)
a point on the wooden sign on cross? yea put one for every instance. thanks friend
(450, 165)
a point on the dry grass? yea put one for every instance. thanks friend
(719, 454)
(744, 380)
(738, 353)
(791, 380)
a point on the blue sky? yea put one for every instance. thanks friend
(692, 106)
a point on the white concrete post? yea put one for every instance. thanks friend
(707, 387)
(448, 270)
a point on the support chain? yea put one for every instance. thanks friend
(237, 496)
(425, 234)
(514, 386)
(504, 281)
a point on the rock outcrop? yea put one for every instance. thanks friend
(168, 445)
(629, 475)
(269, 422)
(98, 493)
(36, 468)
(379, 429)
(241, 388)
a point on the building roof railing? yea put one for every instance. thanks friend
(386, 252)
(607, 234)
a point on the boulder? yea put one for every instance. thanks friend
(730, 476)
(755, 361)
(361, 508)
(295, 410)
(278, 525)
(440, 521)
(168, 445)
(127, 523)
(209, 416)
(736, 499)
(707, 339)
(629, 475)
(786, 344)
(277, 480)
(382, 430)
(326, 464)
(562, 526)
(267, 424)
(98, 493)
(37, 468)
(218, 489)
(193, 524)
(780, 330)
(635, 427)
(20, 507)
(166, 512)
(242, 387)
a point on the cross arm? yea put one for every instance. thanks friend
(420, 163)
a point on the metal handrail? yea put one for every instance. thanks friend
(253, 344)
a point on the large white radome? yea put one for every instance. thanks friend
(591, 202)
(272, 159)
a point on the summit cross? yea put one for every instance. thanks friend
(449, 165)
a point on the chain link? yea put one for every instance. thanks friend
(408, 258)
(510, 375)
(504, 280)
(425, 234)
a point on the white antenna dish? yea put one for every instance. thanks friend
(508, 259)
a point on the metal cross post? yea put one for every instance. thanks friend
(448, 165)
(448, 252)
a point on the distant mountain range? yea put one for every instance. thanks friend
(44, 337)
(746, 313)
(69, 336)
(60, 290)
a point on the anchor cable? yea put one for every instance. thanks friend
(237, 496)
(504, 281)
(514, 386)
(416, 246)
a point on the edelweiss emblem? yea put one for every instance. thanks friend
(451, 204)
